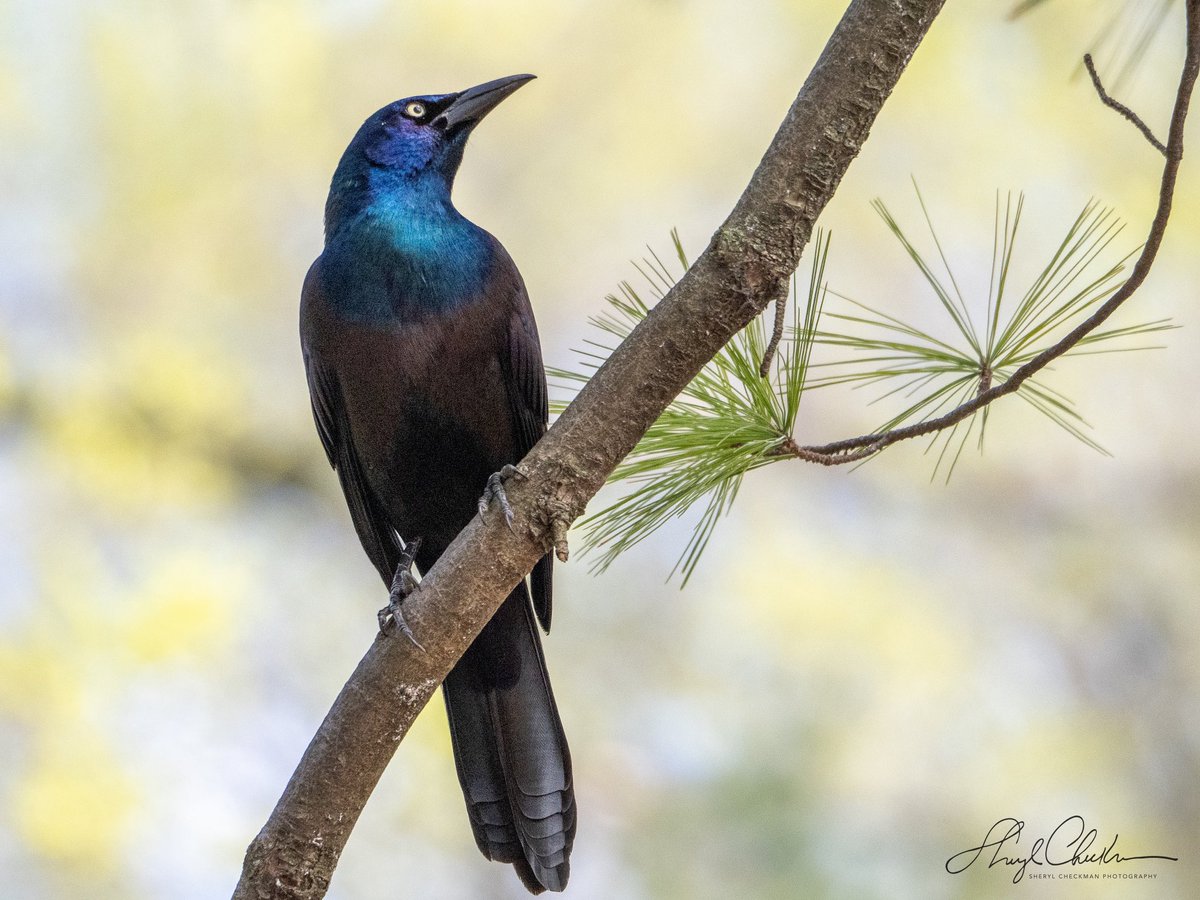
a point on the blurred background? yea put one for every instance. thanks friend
(868, 669)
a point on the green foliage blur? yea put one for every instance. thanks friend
(865, 670)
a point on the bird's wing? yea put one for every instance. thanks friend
(526, 380)
(378, 538)
(322, 390)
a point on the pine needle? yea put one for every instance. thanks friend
(726, 423)
(730, 420)
(942, 374)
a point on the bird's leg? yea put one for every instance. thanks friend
(391, 617)
(495, 491)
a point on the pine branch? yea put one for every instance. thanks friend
(730, 421)
(937, 375)
(856, 448)
(725, 424)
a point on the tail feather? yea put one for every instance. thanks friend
(510, 750)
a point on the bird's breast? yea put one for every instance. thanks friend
(426, 404)
(391, 269)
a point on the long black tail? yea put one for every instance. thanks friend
(510, 750)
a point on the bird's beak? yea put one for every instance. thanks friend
(474, 103)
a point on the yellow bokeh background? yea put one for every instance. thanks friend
(868, 668)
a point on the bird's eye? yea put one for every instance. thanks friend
(415, 110)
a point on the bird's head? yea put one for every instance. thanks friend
(429, 132)
(413, 146)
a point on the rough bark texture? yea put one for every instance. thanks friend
(745, 267)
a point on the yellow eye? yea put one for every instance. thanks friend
(415, 110)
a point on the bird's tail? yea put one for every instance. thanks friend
(510, 750)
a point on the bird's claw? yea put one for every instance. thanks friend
(495, 491)
(391, 620)
(391, 617)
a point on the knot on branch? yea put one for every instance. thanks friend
(557, 503)
(285, 870)
(553, 519)
(751, 269)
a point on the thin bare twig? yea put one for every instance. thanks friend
(764, 368)
(854, 449)
(1121, 108)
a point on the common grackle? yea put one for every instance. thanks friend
(426, 378)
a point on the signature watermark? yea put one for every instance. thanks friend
(1071, 843)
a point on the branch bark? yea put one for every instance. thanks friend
(746, 266)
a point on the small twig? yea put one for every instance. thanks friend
(764, 368)
(836, 459)
(985, 380)
(854, 449)
(789, 447)
(559, 527)
(1121, 108)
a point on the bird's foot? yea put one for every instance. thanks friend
(391, 617)
(495, 491)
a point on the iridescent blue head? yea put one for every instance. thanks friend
(408, 152)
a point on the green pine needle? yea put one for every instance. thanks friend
(726, 423)
(1125, 39)
(730, 420)
(936, 375)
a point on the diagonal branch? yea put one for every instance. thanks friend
(746, 266)
(855, 449)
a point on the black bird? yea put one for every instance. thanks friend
(426, 378)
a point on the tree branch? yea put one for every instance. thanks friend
(858, 448)
(746, 266)
(1120, 107)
